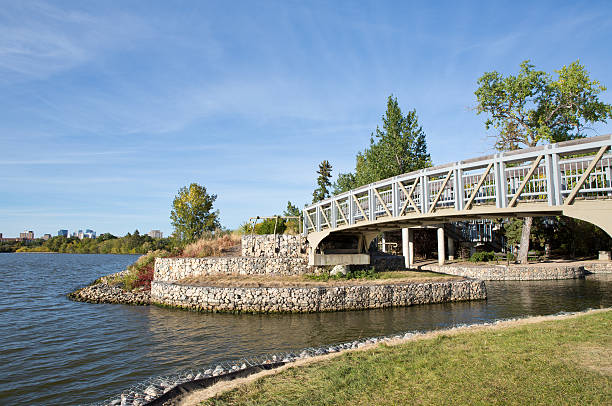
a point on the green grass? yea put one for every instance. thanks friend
(372, 274)
(413, 274)
(556, 362)
(358, 274)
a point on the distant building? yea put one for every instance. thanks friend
(156, 234)
(46, 237)
(62, 233)
(84, 234)
(28, 235)
(10, 239)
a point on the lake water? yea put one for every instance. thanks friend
(55, 351)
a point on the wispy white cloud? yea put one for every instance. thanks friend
(39, 39)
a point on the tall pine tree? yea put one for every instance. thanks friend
(322, 191)
(397, 148)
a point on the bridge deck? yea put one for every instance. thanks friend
(506, 183)
(572, 178)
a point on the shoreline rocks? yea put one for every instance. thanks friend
(102, 291)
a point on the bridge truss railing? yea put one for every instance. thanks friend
(554, 174)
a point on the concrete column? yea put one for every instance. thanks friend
(441, 254)
(384, 248)
(411, 247)
(451, 249)
(408, 247)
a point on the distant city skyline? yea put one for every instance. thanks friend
(80, 233)
(110, 108)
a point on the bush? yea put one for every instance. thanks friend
(265, 227)
(483, 256)
(140, 273)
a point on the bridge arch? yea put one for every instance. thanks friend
(572, 178)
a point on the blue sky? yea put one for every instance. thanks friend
(108, 108)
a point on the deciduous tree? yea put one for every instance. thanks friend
(532, 107)
(192, 213)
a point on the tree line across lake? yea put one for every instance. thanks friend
(131, 243)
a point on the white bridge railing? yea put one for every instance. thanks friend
(555, 174)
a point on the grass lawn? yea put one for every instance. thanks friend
(560, 362)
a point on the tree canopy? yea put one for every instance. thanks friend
(192, 213)
(397, 148)
(533, 107)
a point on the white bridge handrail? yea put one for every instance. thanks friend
(555, 173)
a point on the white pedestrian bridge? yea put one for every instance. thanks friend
(572, 178)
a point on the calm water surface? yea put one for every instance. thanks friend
(55, 351)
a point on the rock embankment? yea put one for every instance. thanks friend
(500, 272)
(103, 291)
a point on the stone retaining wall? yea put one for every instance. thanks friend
(174, 269)
(313, 299)
(510, 273)
(598, 267)
(270, 245)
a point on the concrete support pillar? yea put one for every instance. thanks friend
(441, 253)
(451, 249)
(384, 247)
(408, 247)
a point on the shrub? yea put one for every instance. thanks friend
(483, 256)
(140, 273)
(265, 227)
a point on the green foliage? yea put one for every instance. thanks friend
(483, 256)
(323, 182)
(512, 231)
(293, 225)
(106, 236)
(355, 274)
(532, 107)
(292, 210)
(192, 213)
(345, 182)
(245, 228)
(560, 233)
(268, 226)
(576, 238)
(130, 244)
(399, 147)
(140, 273)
